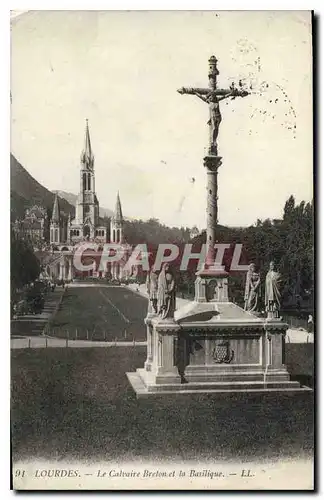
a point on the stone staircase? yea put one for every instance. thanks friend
(32, 325)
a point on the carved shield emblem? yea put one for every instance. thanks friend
(222, 352)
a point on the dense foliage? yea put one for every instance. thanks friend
(288, 241)
(153, 232)
(24, 264)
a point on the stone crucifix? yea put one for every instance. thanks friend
(212, 96)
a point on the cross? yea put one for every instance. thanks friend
(212, 96)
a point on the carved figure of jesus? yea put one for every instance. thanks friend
(215, 116)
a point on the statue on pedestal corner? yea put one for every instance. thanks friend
(152, 290)
(252, 290)
(166, 295)
(272, 294)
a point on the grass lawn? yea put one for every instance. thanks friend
(101, 314)
(77, 404)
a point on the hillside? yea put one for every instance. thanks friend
(72, 198)
(25, 191)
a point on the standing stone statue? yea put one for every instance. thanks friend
(166, 295)
(252, 289)
(152, 288)
(272, 293)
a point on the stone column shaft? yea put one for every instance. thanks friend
(70, 270)
(163, 356)
(168, 352)
(212, 163)
(61, 277)
(149, 347)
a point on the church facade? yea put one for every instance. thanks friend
(34, 226)
(67, 233)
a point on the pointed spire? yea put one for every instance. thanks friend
(87, 143)
(87, 157)
(56, 210)
(118, 215)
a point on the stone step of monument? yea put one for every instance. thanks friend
(230, 385)
(212, 388)
(238, 378)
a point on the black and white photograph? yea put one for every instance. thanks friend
(162, 317)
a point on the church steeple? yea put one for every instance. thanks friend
(56, 210)
(87, 158)
(87, 206)
(117, 223)
(118, 215)
(55, 225)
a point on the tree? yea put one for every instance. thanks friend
(289, 208)
(289, 242)
(25, 266)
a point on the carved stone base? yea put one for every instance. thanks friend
(213, 346)
(211, 286)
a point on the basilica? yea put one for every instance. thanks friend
(67, 233)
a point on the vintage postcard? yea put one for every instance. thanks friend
(162, 250)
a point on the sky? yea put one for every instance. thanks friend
(121, 70)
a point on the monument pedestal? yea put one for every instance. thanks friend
(213, 347)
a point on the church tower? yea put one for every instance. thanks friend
(87, 207)
(85, 225)
(55, 224)
(117, 224)
(117, 236)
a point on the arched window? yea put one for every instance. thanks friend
(118, 236)
(84, 181)
(89, 182)
(114, 236)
